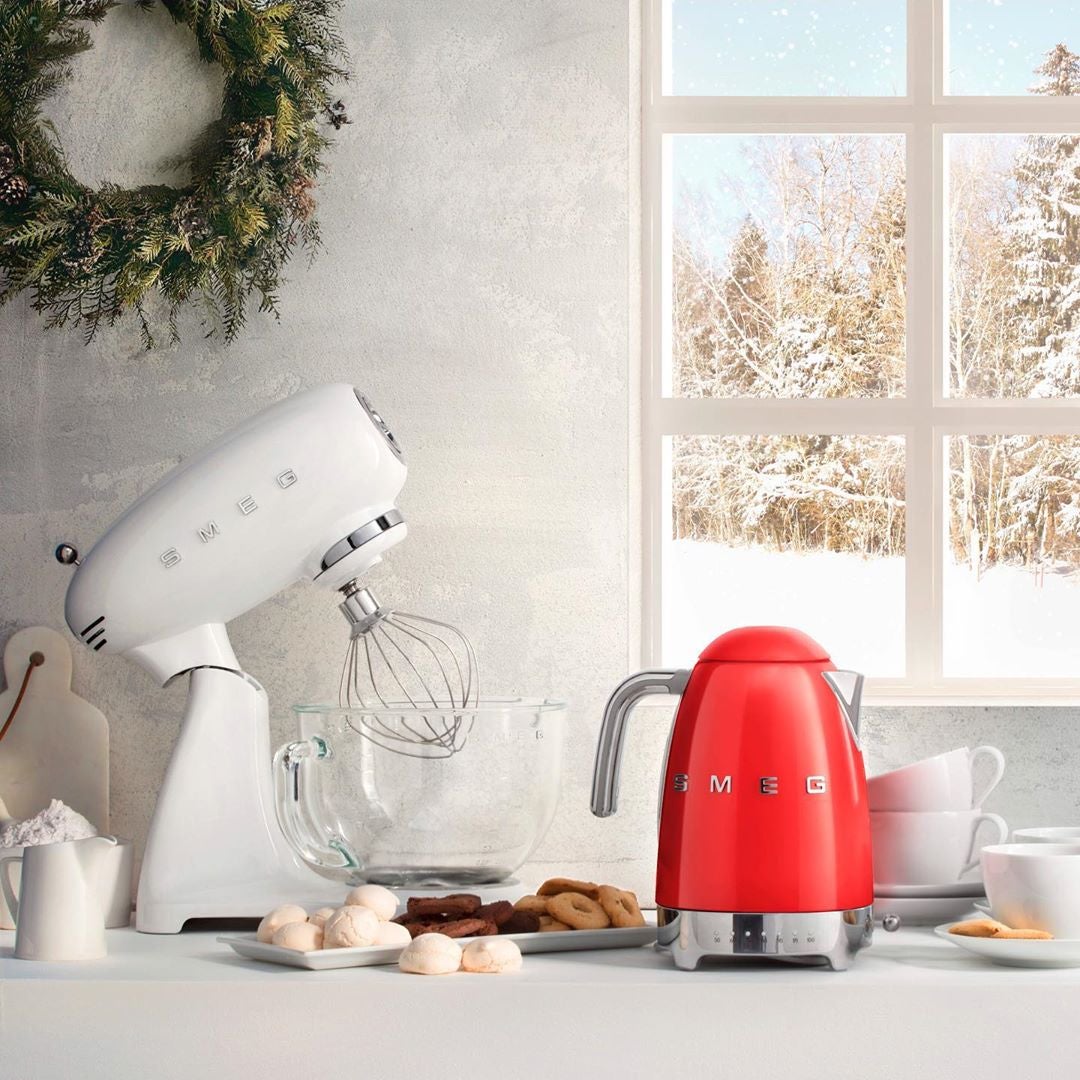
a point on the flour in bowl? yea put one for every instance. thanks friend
(53, 825)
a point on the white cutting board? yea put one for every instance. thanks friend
(58, 745)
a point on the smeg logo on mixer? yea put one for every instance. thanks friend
(766, 785)
(247, 506)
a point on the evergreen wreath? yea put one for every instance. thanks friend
(90, 256)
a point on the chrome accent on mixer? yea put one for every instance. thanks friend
(421, 670)
(67, 554)
(605, 789)
(800, 937)
(380, 423)
(358, 537)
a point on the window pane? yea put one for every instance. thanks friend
(805, 47)
(1014, 265)
(1010, 584)
(1013, 47)
(787, 271)
(804, 531)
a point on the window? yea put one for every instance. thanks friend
(861, 335)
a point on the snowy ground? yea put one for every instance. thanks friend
(1003, 625)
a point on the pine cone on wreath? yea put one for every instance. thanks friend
(7, 160)
(299, 199)
(337, 115)
(13, 189)
(82, 252)
(190, 220)
(243, 145)
(266, 138)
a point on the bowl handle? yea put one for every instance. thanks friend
(294, 812)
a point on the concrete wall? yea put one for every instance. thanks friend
(479, 283)
(476, 283)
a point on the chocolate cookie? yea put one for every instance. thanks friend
(498, 911)
(521, 922)
(457, 905)
(466, 928)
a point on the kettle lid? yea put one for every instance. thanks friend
(765, 644)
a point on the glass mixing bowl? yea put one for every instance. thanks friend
(413, 797)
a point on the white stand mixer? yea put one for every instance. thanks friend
(303, 490)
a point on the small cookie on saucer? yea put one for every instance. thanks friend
(1028, 935)
(979, 928)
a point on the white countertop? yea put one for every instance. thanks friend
(185, 1006)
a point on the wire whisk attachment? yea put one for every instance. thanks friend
(421, 670)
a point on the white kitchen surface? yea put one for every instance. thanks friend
(185, 1006)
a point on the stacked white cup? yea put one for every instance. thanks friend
(926, 822)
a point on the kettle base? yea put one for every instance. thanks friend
(798, 937)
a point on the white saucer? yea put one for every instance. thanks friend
(955, 888)
(922, 910)
(1018, 952)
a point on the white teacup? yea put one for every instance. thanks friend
(943, 782)
(932, 847)
(1034, 886)
(1053, 834)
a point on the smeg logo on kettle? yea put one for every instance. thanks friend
(766, 785)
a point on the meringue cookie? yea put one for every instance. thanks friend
(286, 913)
(392, 933)
(430, 954)
(319, 917)
(349, 927)
(374, 897)
(491, 956)
(301, 936)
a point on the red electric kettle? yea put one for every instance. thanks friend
(764, 843)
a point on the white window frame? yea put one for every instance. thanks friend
(925, 416)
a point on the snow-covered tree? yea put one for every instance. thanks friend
(1044, 245)
(807, 299)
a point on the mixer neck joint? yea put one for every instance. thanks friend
(360, 608)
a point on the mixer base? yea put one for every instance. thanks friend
(797, 937)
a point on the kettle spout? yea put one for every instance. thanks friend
(848, 687)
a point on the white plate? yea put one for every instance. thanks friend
(1018, 952)
(325, 959)
(922, 911)
(956, 888)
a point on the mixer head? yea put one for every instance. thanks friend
(421, 669)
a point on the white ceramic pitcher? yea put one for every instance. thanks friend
(59, 914)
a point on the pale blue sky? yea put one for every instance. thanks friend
(829, 47)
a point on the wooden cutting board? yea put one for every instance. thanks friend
(58, 744)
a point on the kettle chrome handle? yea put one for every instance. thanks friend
(848, 688)
(605, 787)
